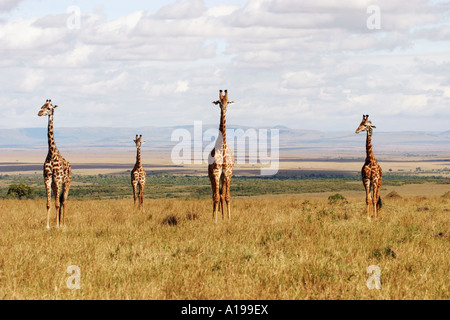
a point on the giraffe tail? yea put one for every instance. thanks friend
(379, 204)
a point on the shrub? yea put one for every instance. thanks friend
(19, 191)
(393, 195)
(335, 198)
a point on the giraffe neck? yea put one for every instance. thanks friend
(138, 157)
(51, 137)
(223, 128)
(369, 153)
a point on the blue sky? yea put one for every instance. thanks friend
(301, 64)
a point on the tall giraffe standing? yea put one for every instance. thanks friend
(371, 171)
(221, 162)
(57, 170)
(138, 176)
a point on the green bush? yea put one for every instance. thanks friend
(20, 191)
(335, 198)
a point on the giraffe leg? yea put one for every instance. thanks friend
(58, 205)
(216, 199)
(376, 197)
(134, 184)
(226, 188)
(228, 197)
(66, 188)
(378, 194)
(368, 198)
(63, 212)
(375, 192)
(57, 191)
(222, 195)
(61, 209)
(378, 201)
(141, 196)
(138, 194)
(48, 189)
(215, 185)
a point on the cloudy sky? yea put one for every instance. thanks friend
(314, 65)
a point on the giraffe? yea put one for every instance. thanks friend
(138, 176)
(57, 170)
(371, 171)
(221, 162)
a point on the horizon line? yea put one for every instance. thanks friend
(208, 124)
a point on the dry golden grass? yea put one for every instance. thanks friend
(282, 248)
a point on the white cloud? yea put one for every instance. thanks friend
(221, 10)
(182, 86)
(314, 58)
(8, 5)
(301, 79)
(182, 10)
(32, 79)
(415, 104)
(24, 35)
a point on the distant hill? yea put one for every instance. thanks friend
(161, 138)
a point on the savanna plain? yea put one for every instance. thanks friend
(292, 244)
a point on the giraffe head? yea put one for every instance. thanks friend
(223, 101)
(47, 108)
(139, 141)
(365, 125)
